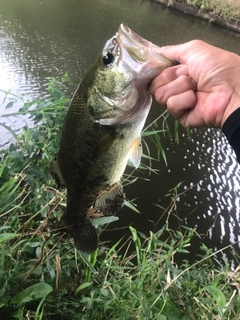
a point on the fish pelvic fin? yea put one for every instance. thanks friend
(110, 201)
(56, 173)
(83, 233)
(136, 152)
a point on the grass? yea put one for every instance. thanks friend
(42, 276)
(225, 9)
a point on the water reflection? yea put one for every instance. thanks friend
(219, 187)
(40, 40)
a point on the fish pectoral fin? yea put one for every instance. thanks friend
(56, 173)
(136, 152)
(110, 201)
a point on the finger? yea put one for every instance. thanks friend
(180, 85)
(166, 76)
(180, 105)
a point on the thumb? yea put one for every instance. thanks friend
(180, 52)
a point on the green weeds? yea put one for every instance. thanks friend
(225, 9)
(42, 276)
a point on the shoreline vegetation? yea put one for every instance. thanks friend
(225, 13)
(42, 275)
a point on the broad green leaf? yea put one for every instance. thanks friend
(83, 286)
(104, 220)
(9, 105)
(8, 236)
(216, 294)
(182, 250)
(34, 292)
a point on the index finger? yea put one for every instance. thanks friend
(181, 52)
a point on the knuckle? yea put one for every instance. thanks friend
(196, 43)
(171, 105)
(159, 96)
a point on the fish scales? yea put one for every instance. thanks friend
(102, 131)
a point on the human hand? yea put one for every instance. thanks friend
(204, 89)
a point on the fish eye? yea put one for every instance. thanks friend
(108, 59)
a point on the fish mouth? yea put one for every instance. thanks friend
(140, 49)
(141, 61)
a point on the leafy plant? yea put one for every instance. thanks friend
(42, 276)
(225, 9)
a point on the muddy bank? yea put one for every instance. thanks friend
(213, 18)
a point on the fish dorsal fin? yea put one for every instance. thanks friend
(56, 173)
(136, 152)
(110, 201)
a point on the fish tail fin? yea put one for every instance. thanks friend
(83, 233)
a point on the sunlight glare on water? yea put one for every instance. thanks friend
(220, 183)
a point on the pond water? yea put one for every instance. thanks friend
(44, 39)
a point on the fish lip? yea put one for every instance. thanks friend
(132, 36)
(139, 48)
(133, 43)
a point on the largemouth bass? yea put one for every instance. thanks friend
(102, 131)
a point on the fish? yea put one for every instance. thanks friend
(102, 131)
